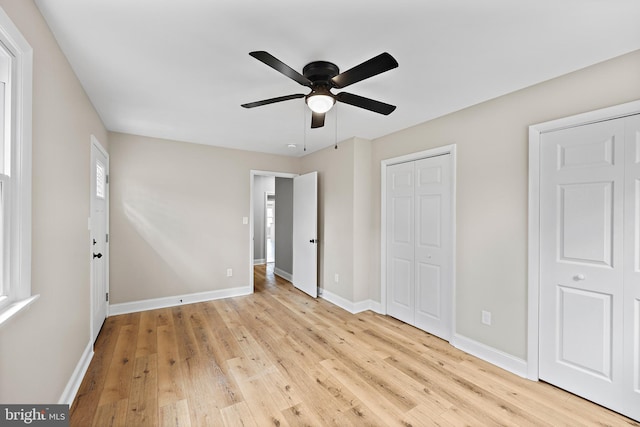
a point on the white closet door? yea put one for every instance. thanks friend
(419, 243)
(581, 277)
(433, 245)
(400, 242)
(631, 396)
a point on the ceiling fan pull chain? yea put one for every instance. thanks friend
(304, 130)
(336, 128)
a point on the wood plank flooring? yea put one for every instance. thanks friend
(280, 358)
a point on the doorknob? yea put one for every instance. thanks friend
(578, 277)
(98, 255)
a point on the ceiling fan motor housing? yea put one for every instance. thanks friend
(321, 72)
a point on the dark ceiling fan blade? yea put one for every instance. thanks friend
(366, 103)
(374, 66)
(281, 67)
(273, 100)
(317, 120)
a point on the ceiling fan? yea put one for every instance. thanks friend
(321, 77)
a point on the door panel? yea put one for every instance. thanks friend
(433, 247)
(430, 219)
(428, 291)
(595, 153)
(402, 295)
(586, 206)
(402, 212)
(581, 277)
(400, 244)
(581, 311)
(305, 233)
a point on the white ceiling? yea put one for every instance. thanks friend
(179, 69)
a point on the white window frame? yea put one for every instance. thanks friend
(17, 243)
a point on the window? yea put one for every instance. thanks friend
(16, 59)
(100, 180)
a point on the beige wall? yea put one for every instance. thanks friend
(335, 213)
(344, 217)
(39, 348)
(176, 216)
(492, 173)
(363, 231)
(177, 208)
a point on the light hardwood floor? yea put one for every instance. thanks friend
(280, 358)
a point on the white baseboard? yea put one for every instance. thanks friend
(283, 274)
(74, 382)
(489, 354)
(261, 261)
(152, 304)
(351, 307)
(368, 305)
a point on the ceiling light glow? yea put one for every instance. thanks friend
(320, 103)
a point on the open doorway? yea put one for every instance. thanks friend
(271, 222)
(263, 187)
(295, 243)
(270, 227)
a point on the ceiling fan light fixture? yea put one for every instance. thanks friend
(321, 77)
(319, 103)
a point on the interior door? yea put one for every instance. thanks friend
(98, 250)
(305, 233)
(401, 242)
(433, 243)
(581, 277)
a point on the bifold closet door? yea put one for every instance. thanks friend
(419, 242)
(589, 299)
(401, 242)
(433, 242)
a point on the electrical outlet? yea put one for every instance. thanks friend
(229, 272)
(486, 317)
(336, 278)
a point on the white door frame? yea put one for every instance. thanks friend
(535, 132)
(252, 175)
(446, 149)
(96, 144)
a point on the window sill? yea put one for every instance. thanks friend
(11, 310)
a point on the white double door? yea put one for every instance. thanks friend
(419, 242)
(590, 262)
